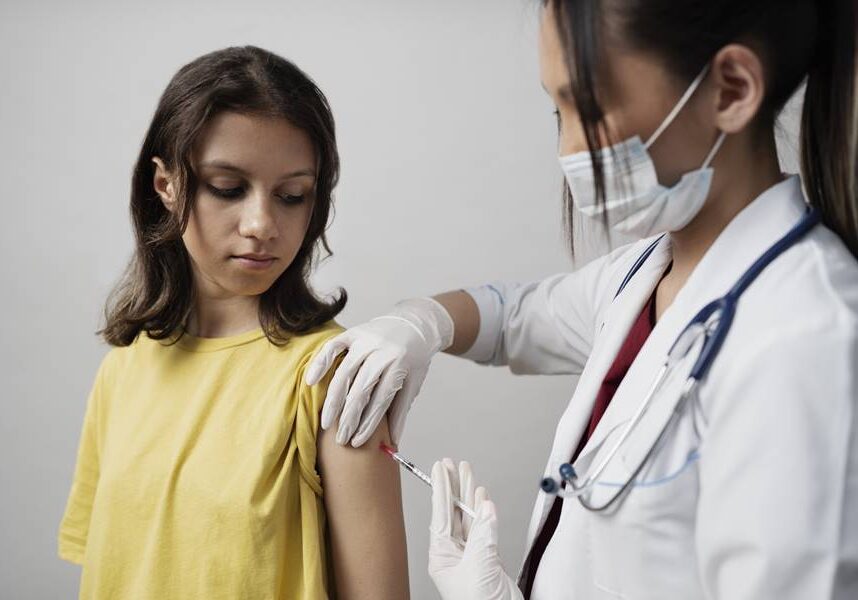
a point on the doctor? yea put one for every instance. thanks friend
(741, 483)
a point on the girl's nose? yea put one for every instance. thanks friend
(257, 218)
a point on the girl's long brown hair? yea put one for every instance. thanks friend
(155, 294)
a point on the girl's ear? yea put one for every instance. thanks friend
(740, 79)
(163, 184)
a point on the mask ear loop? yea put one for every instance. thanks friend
(714, 150)
(679, 106)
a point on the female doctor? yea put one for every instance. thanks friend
(732, 472)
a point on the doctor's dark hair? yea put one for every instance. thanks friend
(155, 293)
(797, 40)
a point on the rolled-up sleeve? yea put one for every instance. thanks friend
(542, 327)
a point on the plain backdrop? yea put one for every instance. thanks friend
(449, 178)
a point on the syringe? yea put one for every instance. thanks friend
(413, 469)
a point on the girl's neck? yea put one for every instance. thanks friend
(214, 317)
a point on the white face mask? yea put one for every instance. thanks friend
(635, 202)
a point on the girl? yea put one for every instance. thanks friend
(200, 473)
(741, 485)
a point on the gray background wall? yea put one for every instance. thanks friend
(449, 179)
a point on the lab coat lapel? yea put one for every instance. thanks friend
(617, 321)
(750, 233)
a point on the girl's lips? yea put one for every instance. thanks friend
(257, 264)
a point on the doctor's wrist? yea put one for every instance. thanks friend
(429, 318)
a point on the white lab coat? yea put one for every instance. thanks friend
(755, 493)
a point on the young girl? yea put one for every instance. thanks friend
(200, 473)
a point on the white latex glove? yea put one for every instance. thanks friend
(463, 557)
(386, 362)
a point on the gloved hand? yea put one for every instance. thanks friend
(386, 363)
(463, 557)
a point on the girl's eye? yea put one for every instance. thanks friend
(235, 192)
(238, 192)
(290, 199)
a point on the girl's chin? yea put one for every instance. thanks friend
(249, 284)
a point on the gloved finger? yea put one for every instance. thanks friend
(481, 494)
(455, 514)
(401, 404)
(387, 387)
(325, 357)
(484, 532)
(442, 504)
(359, 394)
(466, 491)
(453, 474)
(339, 386)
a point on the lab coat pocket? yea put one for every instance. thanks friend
(668, 479)
(659, 514)
(608, 539)
(641, 541)
(605, 540)
(661, 456)
(666, 493)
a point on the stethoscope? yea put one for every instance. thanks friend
(709, 326)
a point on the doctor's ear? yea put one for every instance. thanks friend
(163, 182)
(738, 75)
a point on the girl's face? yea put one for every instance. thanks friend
(253, 202)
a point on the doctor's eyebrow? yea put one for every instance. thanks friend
(227, 166)
(564, 92)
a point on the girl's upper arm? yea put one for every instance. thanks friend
(363, 502)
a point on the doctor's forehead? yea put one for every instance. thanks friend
(553, 69)
(618, 66)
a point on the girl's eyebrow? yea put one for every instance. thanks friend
(226, 166)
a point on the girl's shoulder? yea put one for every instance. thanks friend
(318, 336)
(110, 369)
(304, 346)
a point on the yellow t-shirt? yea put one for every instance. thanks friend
(196, 473)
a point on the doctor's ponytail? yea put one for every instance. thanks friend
(829, 126)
